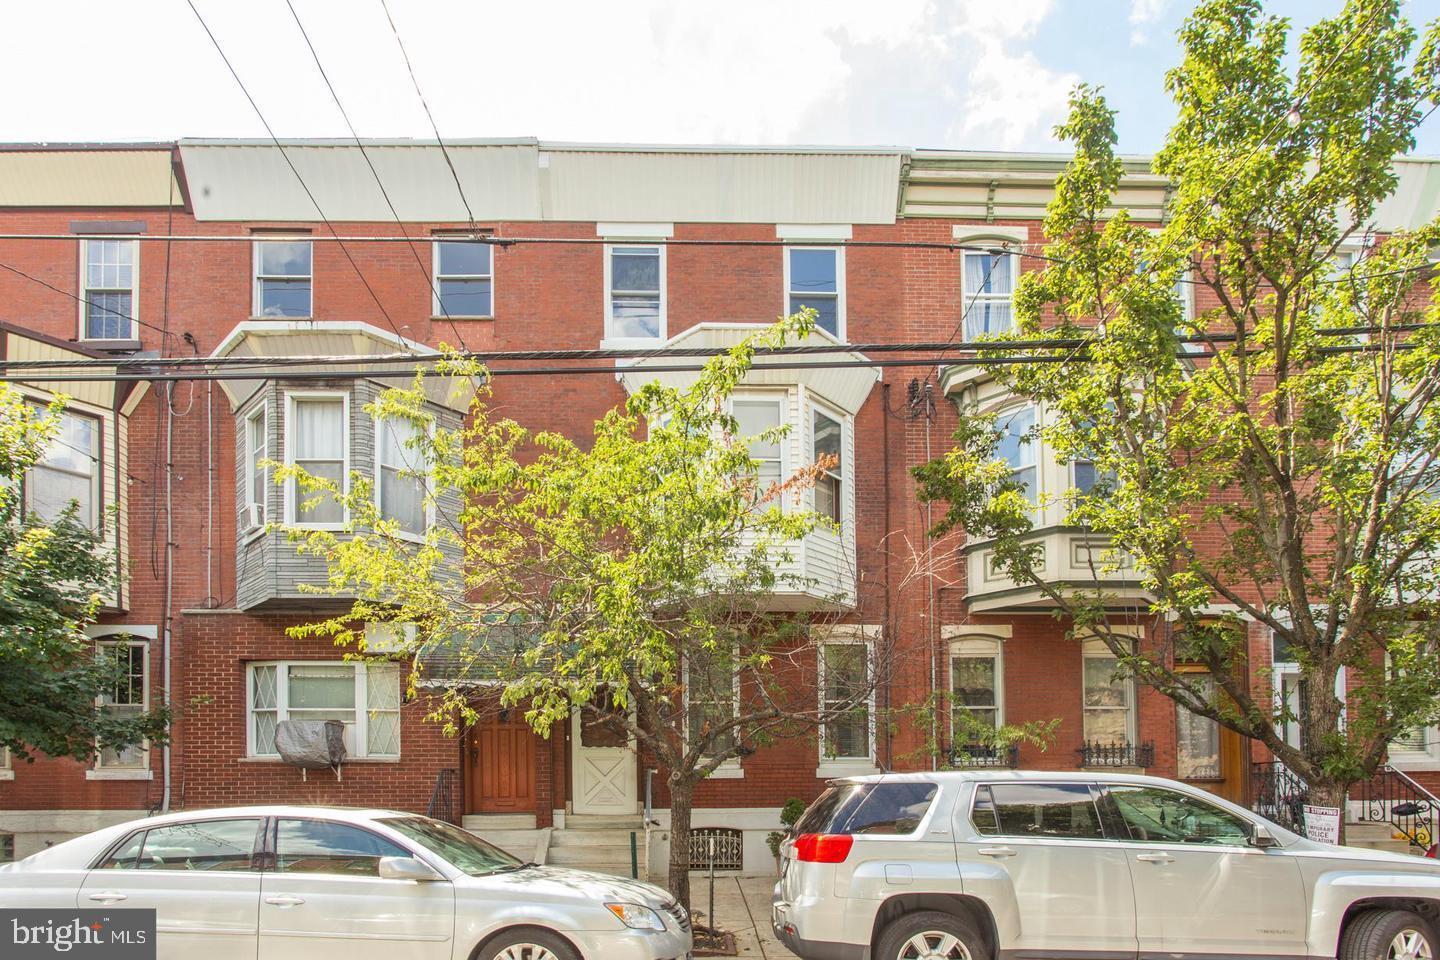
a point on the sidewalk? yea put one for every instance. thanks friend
(742, 906)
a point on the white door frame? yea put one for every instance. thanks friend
(604, 779)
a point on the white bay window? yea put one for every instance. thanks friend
(365, 697)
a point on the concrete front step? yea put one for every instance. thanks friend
(1378, 836)
(585, 856)
(480, 822)
(517, 843)
(595, 821)
(614, 868)
(591, 838)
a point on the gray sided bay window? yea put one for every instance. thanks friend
(317, 433)
(257, 476)
(400, 470)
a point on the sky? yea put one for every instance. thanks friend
(958, 74)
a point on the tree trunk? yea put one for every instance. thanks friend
(682, 796)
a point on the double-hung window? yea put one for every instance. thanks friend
(755, 416)
(400, 475)
(975, 687)
(711, 698)
(635, 292)
(1017, 447)
(282, 278)
(988, 284)
(827, 433)
(845, 701)
(815, 278)
(318, 441)
(108, 281)
(365, 697)
(68, 473)
(257, 475)
(125, 696)
(1109, 699)
(463, 279)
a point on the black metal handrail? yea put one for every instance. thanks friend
(1392, 797)
(1279, 795)
(443, 805)
(1095, 754)
(973, 756)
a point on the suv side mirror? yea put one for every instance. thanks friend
(1261, 837)
(407, 868)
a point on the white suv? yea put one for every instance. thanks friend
(1000, 865)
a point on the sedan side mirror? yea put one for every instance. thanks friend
(1262, 837)
(407, 868)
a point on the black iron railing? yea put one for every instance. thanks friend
(1392, 797)
(1117, 755)
(974, 756)
(444, 799)
(1279, 795)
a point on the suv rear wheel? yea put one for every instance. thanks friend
(1388, 935)
(933, 935)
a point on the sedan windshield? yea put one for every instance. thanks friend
(462, 850)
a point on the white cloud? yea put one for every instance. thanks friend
(1143, 15)
(929, 72)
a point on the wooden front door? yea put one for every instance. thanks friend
(501, 765)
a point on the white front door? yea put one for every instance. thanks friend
(605, 766)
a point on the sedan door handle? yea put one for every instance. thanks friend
(108, 896)
(285, 901)
(1155, 857)
(998, 852)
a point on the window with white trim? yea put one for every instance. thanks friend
(464, 279)
(975, 685)
(400, 475)
(365, 697)
(635, 292)
(4, 758)
(68, 473)
(318, 441)
(1109, 699)
(987, 288)
(108, 277)
(283, 278)
(126, 695)
(827, 434)
(845, 699)
(815, 278)
(1017, 447)
(257, 475)
(711, 696)
(757, 414)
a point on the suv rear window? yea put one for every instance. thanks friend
(1036, 810)
(894, 808)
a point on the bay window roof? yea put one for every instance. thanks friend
(843, 387)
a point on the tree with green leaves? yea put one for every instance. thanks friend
(54, 576)
(634, 578)
(1271, 459)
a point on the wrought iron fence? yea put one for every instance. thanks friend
(444, 799)
(1393, 798)
(1094, 754)
(726, 844)
(1279, 795)
(974, 756)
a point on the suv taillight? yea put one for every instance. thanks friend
(823, 847)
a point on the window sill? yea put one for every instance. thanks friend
(145, 774)
(441, 318)
(124, 345)
(623, 343)
(830, 769)
(729, 770)
(278, 761)
(265, 319)
(7, 774)
(249, 536)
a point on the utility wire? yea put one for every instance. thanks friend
(470, 214)
(345, 115)
(293, 169)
